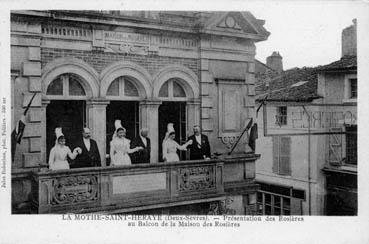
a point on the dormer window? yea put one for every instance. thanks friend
(350, 95)
(281, 117)
(353, 88)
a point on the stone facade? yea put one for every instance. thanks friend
(210, 54)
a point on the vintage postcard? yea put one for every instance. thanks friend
(222, 118)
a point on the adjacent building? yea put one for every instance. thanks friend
(308, 142)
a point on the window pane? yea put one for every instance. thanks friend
(178, 90)
(281, 117)
(286, 203)
(260, 197)
(351, 145)
(113, 88)
(353, 84)
(55, 87)
(130, 89)
(164, 90)
(75, 87)
(268, 198)
(277, 201)
(268, 210)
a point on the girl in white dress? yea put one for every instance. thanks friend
(170, 146)
(120, 147)
(60, 152)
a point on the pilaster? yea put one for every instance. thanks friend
(96, 121)
(149, 118)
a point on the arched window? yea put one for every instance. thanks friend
(173, 90)
(66, 86)
(123, 87)
(67, 108)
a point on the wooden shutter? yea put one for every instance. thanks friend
(285, 156)
(335, 147)
(275, 167)
(296, 206)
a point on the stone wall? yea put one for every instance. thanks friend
(100, 60)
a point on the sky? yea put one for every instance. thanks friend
(305, 34)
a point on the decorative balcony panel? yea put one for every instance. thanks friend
(127, 188)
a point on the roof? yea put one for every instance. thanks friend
(257, 62)
(345, 63)
(293, 85)
(298, 84)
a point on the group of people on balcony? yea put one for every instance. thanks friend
(122, 151)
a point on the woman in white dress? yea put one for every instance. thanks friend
(60, 152)
(170, 146)
(120, 147)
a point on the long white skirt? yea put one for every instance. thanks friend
(120, 159)
(57, 165)
(172, 157)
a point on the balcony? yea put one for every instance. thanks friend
(141, 187)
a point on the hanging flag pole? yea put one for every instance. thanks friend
(17, 133)
(243, 132)
(261, 104)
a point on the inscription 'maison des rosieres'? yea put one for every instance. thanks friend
(126, 37)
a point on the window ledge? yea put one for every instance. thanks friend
(350, 100)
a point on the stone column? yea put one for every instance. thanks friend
(43, 131)
(149, 118)
(193, 115)
(96, 115)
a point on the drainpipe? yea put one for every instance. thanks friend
(309, 159)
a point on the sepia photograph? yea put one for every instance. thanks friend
(184, 115)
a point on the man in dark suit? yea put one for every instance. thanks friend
(142, 156)
(200, 148)
(90, 156)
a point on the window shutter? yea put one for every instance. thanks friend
(285, 155)
(335, 147)
(275, 140)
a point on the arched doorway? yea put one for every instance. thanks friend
(67, 109)
(178, 90)
(124, 99)
(173, 110)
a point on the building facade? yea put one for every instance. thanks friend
(148, 69)
(309, 139)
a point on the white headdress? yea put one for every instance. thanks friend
(118, 125)
(170, 129)
(58, 133)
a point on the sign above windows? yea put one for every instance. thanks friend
(302, 119)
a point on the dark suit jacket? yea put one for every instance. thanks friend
(142, 156)
(87, 158)
(199, 151)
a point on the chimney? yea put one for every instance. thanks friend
(275, 62)
(349, 40)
